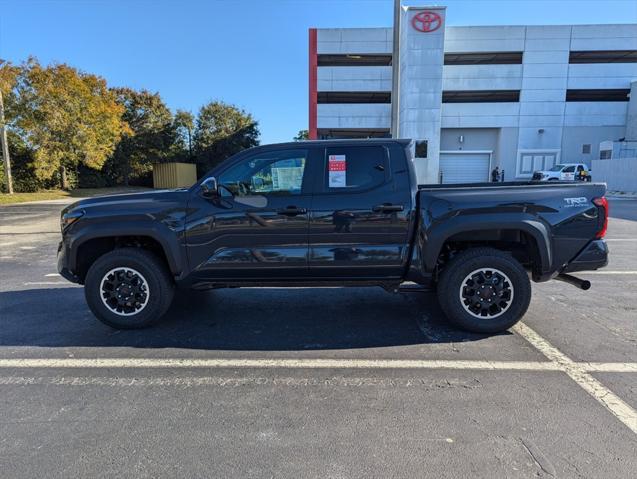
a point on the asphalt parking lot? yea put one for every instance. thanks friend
(328, 382)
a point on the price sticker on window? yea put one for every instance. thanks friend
(337, 168)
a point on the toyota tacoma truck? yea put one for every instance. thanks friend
(334, 213)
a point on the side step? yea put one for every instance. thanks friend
(412, 288)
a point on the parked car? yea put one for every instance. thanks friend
(333, 213)
(564, 172)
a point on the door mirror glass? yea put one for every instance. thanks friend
(209, 187)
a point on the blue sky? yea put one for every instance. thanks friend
(252, 53)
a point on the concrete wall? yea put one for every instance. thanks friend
(619, 175)
(362, 78)
(575, 136)
(421, 60)
(354, 40)
(350, 116)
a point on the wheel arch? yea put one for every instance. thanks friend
(92, 243)
(529, 240)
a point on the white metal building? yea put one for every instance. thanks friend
(518, 97)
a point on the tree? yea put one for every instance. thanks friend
(302, 135)
(221, 131)
(66, 117)
(151, 137)
(185, 125)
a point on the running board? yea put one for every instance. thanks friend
(412, 288)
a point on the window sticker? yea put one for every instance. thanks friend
(337, 168)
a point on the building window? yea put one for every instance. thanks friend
(530, 161)
(586, 149)
(484, 58)
(354, 97)
(597, 95)
(603, 56)
(481, 96)
(353, 60)
(605, 154)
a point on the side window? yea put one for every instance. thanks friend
(271, 173)
(580, 168)
(569, 169)
(355, 168)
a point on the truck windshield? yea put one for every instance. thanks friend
(557, 168)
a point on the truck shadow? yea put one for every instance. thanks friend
(264, 319)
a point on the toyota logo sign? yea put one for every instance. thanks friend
(426, 21)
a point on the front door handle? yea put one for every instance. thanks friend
(292, 211)
(387, 208)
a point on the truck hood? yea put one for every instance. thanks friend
(129, 200)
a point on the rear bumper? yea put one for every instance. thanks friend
(594, 256)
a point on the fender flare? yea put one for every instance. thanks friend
(438, 232)
(167, 238)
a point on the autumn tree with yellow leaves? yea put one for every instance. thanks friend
(66, 117)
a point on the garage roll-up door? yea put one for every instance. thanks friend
(464, 167)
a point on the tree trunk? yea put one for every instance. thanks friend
(64, 182)
(126, 171)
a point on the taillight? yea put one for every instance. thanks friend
(602, 203)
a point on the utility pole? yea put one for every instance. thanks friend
(5, 148)
(395, 79)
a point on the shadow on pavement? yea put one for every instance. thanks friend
(268, 319)
(625, 208)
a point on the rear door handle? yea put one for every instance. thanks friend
(292, 211)
(387, 208)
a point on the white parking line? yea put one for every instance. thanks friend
(606, 272)
(263, 363)
(578, 373)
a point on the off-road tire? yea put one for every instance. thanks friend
(158, 283)
(453, 281)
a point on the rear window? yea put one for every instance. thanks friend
(355, 168)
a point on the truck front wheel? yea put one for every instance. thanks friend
(128, 288)
(484, 290)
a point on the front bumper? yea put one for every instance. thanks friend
(594, 256)
(62, 264)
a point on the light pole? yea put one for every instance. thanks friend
(5, 148)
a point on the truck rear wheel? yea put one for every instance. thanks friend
(484, 290)
(128, 288)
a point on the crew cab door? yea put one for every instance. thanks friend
(257, 226)
(568, 173)
(359, 218)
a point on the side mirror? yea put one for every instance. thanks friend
(209, 187)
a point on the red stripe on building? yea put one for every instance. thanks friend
(312, 131)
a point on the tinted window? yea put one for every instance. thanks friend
(580, 168)
(276, 173)
(569, 169)
(355, 168)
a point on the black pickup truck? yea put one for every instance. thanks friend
(326, 213)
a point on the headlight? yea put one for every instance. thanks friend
(69, 218)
